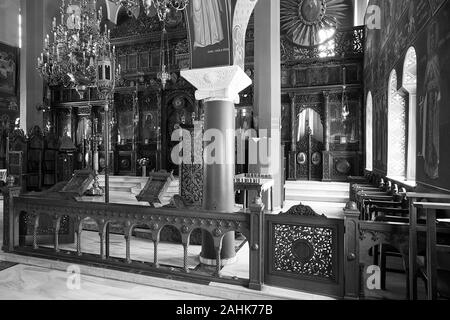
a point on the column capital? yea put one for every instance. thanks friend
(218, 83)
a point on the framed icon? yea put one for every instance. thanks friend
(316, 158)
(301, 158)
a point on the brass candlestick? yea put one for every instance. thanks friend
(96, 190)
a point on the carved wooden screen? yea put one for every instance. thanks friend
(191, 174)
(15, 167)
(50, 160)
(305, 253)
(35, 158)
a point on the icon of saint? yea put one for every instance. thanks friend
(431, 106)
(208, 29)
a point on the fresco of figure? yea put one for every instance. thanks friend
(430, 109)
(207, 20)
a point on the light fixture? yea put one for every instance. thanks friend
(106, 76)
(164, 74)
(70, 57)
(345, 108)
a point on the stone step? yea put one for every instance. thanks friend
(317, 197)
(308, 192)
(317, 186)
(316, 189)
(304, 182)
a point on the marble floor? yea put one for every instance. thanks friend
(22, 282)
(169, 254)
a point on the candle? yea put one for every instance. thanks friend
(96, 161)
(54, 22)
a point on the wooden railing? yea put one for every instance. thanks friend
(250, 224)
(292, 245)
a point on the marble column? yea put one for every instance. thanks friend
(219, 89)
(268, 88)
(31, 84)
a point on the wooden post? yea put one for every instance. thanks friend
(9, 234)
(351, 251)
(256, 246)
(431, 254)
(412, 250)
(326, 127)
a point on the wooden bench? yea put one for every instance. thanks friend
(437, 255)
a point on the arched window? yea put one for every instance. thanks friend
(396, 131)
(410, 86)
(369, 134)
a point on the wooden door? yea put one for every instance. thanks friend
(310, 146)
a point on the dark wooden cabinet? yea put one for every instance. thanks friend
(339, 165)
(65, 166)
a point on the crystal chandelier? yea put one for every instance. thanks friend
(162, 7)
(70, 57)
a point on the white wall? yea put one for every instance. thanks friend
(9, 22)
(360, 7)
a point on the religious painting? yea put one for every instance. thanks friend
(430, 105)
(149, 128)
(301, 158)
(209, 26)
(8, 69)
(126, 127)
(435, 5)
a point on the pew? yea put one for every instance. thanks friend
(435, 269)
(418, 201)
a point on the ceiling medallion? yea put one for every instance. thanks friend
(304, 21)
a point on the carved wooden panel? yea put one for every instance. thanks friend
(305, 253)
(191, 174)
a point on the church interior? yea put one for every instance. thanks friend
(225, 149)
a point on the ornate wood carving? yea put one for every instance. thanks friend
(348, 43)
(302, 211)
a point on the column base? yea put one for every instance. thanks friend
(213, 262)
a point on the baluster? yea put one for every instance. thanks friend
(35, 231)
(218, 259)
(79, 243)
(57, 227)
(155, 253)
(102, 244)
(185, 261)
(127, 241)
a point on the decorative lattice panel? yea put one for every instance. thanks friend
(396, 131)
(303, 250)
